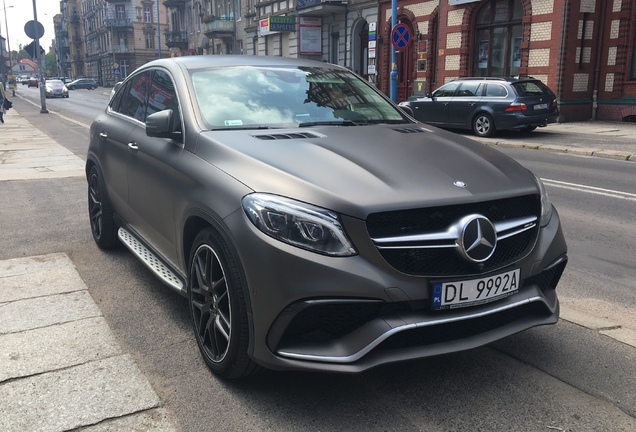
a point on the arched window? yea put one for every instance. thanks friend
(498, 38)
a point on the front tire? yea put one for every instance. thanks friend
(218, 309)
(100, 211)
(483, 125)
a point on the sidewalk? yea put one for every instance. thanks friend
(625, 149)
(60, 365)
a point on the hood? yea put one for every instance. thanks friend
(357, 170)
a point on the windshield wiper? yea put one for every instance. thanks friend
(242, 128)
(329, 123)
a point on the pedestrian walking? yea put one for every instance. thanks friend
(2, 109)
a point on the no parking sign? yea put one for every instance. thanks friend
(400, 36)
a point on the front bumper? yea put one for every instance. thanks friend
(312, 312)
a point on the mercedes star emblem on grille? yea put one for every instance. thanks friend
(478, 239)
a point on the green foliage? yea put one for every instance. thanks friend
(50, 64)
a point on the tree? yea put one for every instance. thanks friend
(50, 64)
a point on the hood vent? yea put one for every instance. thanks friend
(412, 130)
(282, 136)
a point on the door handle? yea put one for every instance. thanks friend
(133, 146)
(103, 135)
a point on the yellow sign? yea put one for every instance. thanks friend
(13, 80)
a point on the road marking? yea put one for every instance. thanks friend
(590, 189)
(57, 114)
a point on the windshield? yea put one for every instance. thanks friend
(54, 82)
(248, 96)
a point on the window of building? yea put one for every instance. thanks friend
(498, 38)
(633, 74)
(148, 14)
(121, 11)
(150, 41)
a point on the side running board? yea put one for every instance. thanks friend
(151, 261)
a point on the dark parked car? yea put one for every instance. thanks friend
(486, 105)
(82, 83)
(311, 224)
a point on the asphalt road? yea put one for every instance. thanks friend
(563, 377)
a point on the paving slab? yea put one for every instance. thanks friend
(77, 396)
(156, 420)
(45, 311)
(55, 347)
(61, 367)
(38, 276)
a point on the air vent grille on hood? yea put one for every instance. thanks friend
(412, 130)
(281, 136)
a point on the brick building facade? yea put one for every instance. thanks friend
(583, 49)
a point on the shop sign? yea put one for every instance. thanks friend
(310, 32)
(282, 23)
(263, 27)
(301, 4)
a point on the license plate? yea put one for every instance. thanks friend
(458, 294)
(541, 106)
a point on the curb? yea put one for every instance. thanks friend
(579, 151)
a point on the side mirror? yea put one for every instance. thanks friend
(162, 125)
(429, 95)
(407, 110)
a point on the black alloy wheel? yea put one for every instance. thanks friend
(218, 308)
(100, 212)
(483, 125)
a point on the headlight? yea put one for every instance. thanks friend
(299, 224)
(546, 205)
(64, 89)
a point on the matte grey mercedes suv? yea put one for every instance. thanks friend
(311, 223)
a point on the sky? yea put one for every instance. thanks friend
(19, 12)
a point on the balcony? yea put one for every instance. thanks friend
(174, 3)
(118, 23)
(218, 26)
(176, 39)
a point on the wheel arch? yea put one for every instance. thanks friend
(197, 220)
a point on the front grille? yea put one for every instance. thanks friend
(444, 261)
(329, 321)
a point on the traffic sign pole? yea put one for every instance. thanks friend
(394, 71)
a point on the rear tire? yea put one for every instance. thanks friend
(216, 294)
(100, 212)
(483, 125)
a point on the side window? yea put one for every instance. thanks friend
(118, 97)
(134, 99)
(496, 90)
(162, 95)
(446, 90)
(469, 89)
